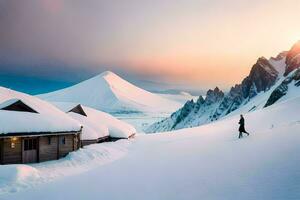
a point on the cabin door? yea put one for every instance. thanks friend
(29, 150)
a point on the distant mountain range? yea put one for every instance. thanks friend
(110, 93)
(269, 81)
(167, 88)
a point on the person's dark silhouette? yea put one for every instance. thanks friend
(242, 127)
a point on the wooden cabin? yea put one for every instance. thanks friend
(98, 126)
(32, 130)
(93, 129)
(16, 148)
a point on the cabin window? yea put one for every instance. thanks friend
(49, 140)
(13, 142)
(30, 144)
(63, 140)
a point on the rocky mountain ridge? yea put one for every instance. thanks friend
(263, 77)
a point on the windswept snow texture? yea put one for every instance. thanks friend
(110, 93)
(47, 119)
(206, 162)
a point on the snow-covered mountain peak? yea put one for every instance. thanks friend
(107, 73)
(278, 63)
(280, 56)
(293, 58)
(263, 64)
(107, 76)
(215, 95)
(109, 92)
(293, 51)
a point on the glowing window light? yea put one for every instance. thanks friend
(13, 142)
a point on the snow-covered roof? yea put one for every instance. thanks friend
(65, 106)
(92, 127)
(46, 118)
(8, 102)
(70, 107)
(97, 124)
(16, 105)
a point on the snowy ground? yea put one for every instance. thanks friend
(14, 178)
(206, 162)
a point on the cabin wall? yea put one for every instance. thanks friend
(1, 151)
(77, 142)
(11, 155)
(66, 145)
(88, 142)
(48, 149)
(99, 140)
(58, 147)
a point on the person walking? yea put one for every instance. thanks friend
(242, 127)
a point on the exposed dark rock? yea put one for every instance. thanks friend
(262, 74)
(253, 91)
(184, 111)
(282, 89)
(213, 96)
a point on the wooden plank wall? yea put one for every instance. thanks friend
(48, 151)
(88, 142)
(64, 149)
(45, 151)
(1, 151)
(12, 155)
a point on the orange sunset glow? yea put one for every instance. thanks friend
(198, 43)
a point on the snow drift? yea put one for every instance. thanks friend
(15, 178)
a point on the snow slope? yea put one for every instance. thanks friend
(110, 93)
(206, 162)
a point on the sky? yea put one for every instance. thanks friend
(190, 43)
